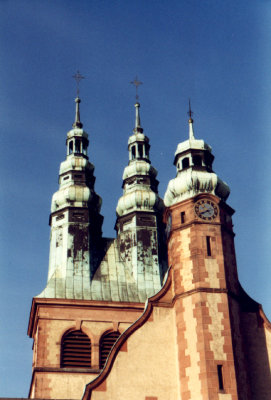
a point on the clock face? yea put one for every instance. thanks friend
(206, 210)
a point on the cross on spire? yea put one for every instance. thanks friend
(136, 83)
(78, 77)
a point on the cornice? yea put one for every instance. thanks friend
(74, 303)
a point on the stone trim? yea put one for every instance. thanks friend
(70, 370)
(72, 303)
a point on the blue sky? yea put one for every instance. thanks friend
(216, 52)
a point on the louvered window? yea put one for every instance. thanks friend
(106, 343)
(76, 350)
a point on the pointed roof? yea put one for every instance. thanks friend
(191, 130)
(77, 123)
(192, 143)
(137, 119)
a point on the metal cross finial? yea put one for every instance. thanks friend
(78, 77)
(136, 83)
(190, 113)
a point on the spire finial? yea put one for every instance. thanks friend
(77, 123)
(136, 83)
(137, 119)
(190, 112)
(191, 131)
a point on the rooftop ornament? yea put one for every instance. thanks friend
(77, 123)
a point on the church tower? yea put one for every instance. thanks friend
(201, 253)
(75, 221)
(63, 355)
(139, 215)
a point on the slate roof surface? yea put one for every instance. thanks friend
(112, 281)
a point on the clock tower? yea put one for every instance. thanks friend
(206, 288)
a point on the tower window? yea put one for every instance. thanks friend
(75, 350)
(85, 148)
(185, 162)
(106, 343)
(77, 146)
(220, 377)
(70, 147)
(208, 245)
(133, 152)
(197, 161)
(182, 217)
(140, 150)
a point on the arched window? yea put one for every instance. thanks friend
(106, 343)
(70, 147)
(75, 350)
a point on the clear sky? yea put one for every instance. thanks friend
(217, 53)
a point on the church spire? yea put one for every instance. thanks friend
(137, 119)
(139, 215)
(190, 121)
(77, 123)
(76, 222)
(140, 191)
(193, 160)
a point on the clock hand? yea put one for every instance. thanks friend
(204, 213)
(208, 211)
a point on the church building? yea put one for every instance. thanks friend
(158, 312)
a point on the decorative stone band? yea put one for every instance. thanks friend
(189, 183)
(139, 200)
(192, 144)
(75, 195)
(139, 168)
(77, 132)
(76, 164)
(138, 137)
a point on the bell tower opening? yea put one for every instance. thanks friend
(75, 350)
